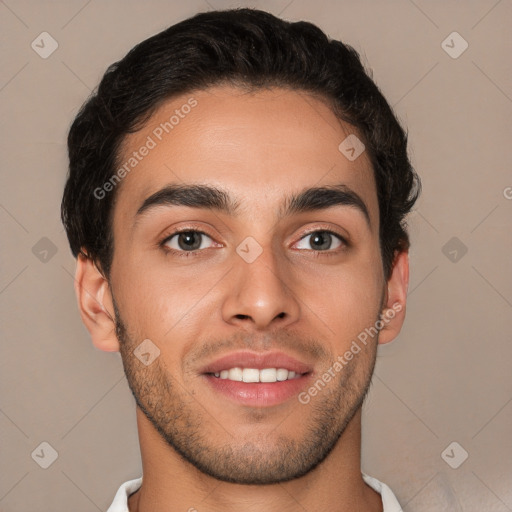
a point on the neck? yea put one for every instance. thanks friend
(170, 483)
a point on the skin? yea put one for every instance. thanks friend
(259, 147)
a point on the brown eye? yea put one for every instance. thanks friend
(187, 241)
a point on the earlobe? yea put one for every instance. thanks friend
(95, 304)
(393, 314)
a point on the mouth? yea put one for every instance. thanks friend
(256, 379)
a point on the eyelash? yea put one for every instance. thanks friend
(182, 254)
(188, 254)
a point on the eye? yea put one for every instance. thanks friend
(187, 241)
(321, 240)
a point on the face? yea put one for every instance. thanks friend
(243, 251)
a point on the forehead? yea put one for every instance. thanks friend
(259, 145)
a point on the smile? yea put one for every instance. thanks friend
(238, 374)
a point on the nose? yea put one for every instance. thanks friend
(259, 294)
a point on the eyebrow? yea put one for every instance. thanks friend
(214, 198)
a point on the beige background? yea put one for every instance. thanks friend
(446, 378)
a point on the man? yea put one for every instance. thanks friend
(236, 201)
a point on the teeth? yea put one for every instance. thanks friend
(235, 374)
(268, 375)
(255, 375)
(250, 375)
(282, 374)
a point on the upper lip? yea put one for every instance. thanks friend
(258, 360)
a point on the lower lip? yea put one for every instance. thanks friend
(259, 394)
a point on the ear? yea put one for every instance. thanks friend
(393, 313)
(95, 304)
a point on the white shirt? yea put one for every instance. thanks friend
(389, 501)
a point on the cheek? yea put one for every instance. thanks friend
(164, 302)
(349, 300)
